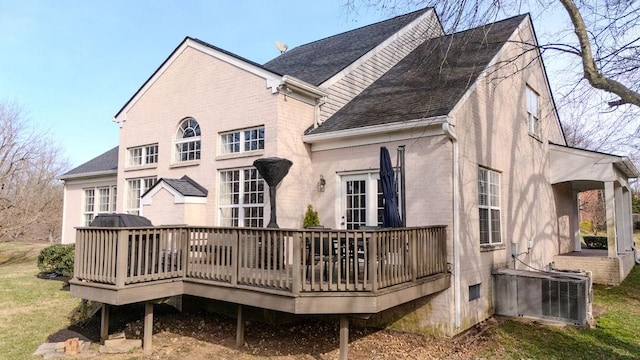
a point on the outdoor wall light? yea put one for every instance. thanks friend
(321, 184)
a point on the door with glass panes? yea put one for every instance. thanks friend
(361, 201)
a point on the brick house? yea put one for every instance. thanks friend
(471, 114)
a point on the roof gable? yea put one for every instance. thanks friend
(428, 82)
(105, 163)
(184, 191)
(184, 186)
(272, 79)
(318, 61)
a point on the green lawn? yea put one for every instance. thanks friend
(30, 308)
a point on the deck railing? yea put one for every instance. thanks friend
(293, 261)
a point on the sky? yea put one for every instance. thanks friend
(72, 64)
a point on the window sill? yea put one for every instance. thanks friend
(141, 167)
(493, 247)
(240, 155)
(185, 164)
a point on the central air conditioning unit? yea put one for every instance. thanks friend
(549, 295)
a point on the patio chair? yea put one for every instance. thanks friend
(323, 251)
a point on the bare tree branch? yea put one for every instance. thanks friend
(30, 195)
(591, 72)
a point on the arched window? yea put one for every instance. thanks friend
(188, 140)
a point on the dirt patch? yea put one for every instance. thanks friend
(211, 336)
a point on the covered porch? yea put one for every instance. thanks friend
(576, 170)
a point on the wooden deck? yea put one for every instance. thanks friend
(295, 271)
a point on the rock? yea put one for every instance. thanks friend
(83, 345)
(119, 335)
(45, 348)
(59, 346)
(115, 342)
(54, 355)
(126, 346)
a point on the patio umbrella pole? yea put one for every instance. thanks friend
(403, 198)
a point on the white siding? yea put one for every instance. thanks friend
(346, 85)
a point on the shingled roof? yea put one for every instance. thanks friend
(428, 82)
(185, 186)
(318, 61)
(103, 163)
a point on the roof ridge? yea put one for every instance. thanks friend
(488, 24)
(194, 184)
(365, 26)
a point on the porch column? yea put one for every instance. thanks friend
(625, 228)
(574, 221)
(628, 210)
(620, 225)
(610, 206)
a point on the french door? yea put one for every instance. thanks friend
(360, 201)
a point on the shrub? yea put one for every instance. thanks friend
(311, 217)
(57, 259)
(596, 242)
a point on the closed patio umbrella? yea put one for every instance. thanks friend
(391, 215)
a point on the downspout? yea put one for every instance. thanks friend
(317, 113)
(447, 128)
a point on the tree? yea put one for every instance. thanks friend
(606, 38)
(597, 46)
(30, 195)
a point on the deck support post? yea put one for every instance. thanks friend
(240, 328)
(344, 337)
(104, 322)
(148, 326)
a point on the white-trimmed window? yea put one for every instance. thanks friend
(135, 189)
(241, 199)
(489, 206)
(187, 143)
(533, 112)
(239, 141)
(89, 206)
(100, 200)
(143, 155)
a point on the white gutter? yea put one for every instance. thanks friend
(374, 129)
(447, 128)
(303, 87)
(87, 175)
